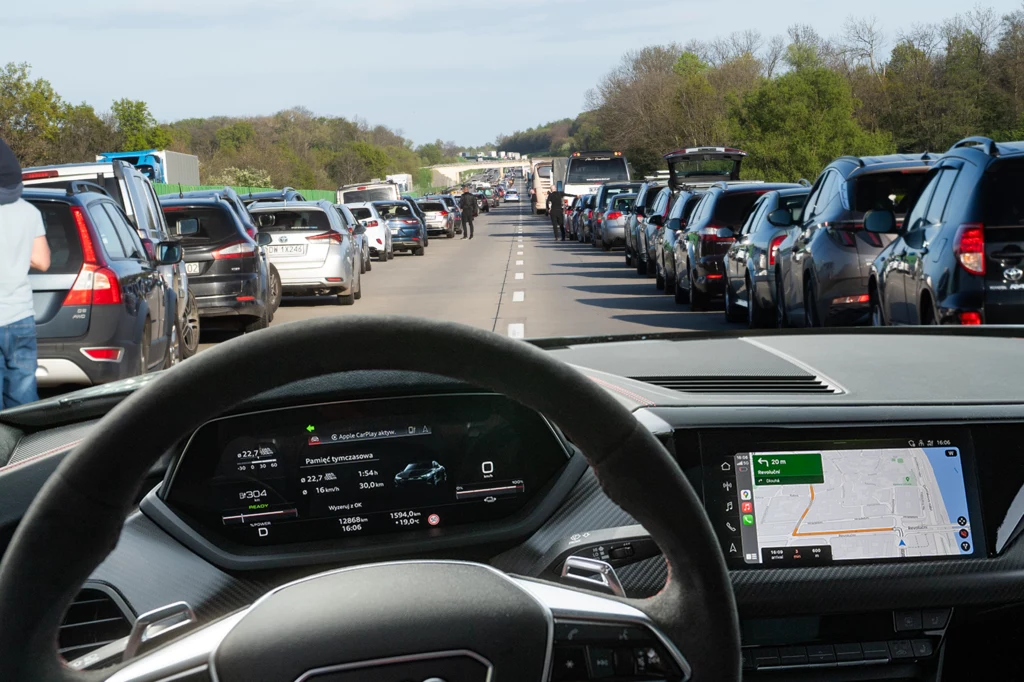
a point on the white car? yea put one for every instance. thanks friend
(378, 236)
(512, 195)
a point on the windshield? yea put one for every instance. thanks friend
(589, 171)
(841, 110)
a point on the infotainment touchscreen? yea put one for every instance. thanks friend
(788, 501)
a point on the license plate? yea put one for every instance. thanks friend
(394, 230)
(192, 268)
(287, 249)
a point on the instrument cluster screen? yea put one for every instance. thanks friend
(364, 468)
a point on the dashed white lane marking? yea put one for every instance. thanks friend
(519, 262)
(519, 275)
(517, 330)
(519, 253)
(518, 296)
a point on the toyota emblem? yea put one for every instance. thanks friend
(283, 239)
(1013, 274)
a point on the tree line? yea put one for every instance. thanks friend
(294, 147)
(796, 102)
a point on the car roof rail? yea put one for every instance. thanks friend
(989, 145)
(803, 182)
(81, 186)
(856, 159)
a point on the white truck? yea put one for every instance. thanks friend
(374, 190)
(403, 180)
(585, 172)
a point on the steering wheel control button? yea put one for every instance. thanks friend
(792, 655)
(569, 663)
(875, 651)
(820, 653)
(848, 652)
(901, 648)
(922, 648)
(935, 619)
(602, 662)
(908, 621)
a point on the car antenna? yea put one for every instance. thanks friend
(181, 194)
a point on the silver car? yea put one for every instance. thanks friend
(311, 248)
(439, 218)
(613, 221)
(378, 236)
(358, 232)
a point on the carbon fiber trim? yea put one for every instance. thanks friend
(52, 441)
(644, 578)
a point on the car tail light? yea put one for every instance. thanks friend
(411, 222)
(969, 248)
(444, 214)
(590, 215)
(614, 215)
(969, 317)
(245, 298)
(39, 175)
(710, 234)
(714, 275)
(104, 354)
(379, 241)
(371, 223)
(331, 237)
(863, 298)
(84, 236)
(95, 285)
(235, 250)
(773, 248)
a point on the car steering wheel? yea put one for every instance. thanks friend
(449, 614)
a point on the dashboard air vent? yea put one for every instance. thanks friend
(95, 618)
(777, 384)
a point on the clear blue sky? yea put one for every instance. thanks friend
(449, 69)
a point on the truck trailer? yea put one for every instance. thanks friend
(160, 165)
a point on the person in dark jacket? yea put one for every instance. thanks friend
(556, 210)
(468, 205)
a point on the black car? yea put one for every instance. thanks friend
(750, 261)
(958, 258)
(482, 202)
(103, 310)
(711, 230)
(286, 194)
(636, 236)
(227, 273)
(665, 241)
(242, 213)
(421, 473)
(822, 266)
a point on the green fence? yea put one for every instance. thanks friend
(310, 194)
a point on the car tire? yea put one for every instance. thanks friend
(144, 342)
(173, 354)
(369, 264)
(391, 253)
(757, 316)
(418, 251)
(659, 281)
(641, 267)
(451, 233)
(781, 314)
(359, 288)
(605, 246)
(679, 294)
(347, 299)
(383, 256)
(274, 291)
(650, 269)
(629, 258)
(698, 298)
(733, 313)
(877, 314)
(261, 322)
(670, 282)
(190, 328)
(810, 304)
(362, 264)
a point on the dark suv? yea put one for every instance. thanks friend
(668, 235)
(636, 237)
(286, 194)
(822, 266)
(103, 310)
(958, 258)
(602, 200)
(228, 274)
(700, 250)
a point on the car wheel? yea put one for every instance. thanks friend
(362, 264)
(680, 294)
(810, 304)
(418, 251)
(391, 253)
(732, 311)
(190, 328)
(670, 283)
(349, 298)
(451, 233)
(261, 322)
(781, 316)
(147, 337)
(659, 280)
(382, 256)
(274, 290)
(629, 258)
(605, 246)
(877, 316)
(641, 267)
(757, 316)
(369, 263)
(650, 269)
(698, 298)
(173, 355)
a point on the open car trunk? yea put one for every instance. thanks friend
(703, 165)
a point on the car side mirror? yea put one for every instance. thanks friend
(169, 253)
(725, 233)
(263, 239)
(780, 217)
(657, 220)
(880, 222)
(187, 226)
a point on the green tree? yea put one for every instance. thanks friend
(236, 135)
(136, 127)
(375, 160)
(794, 125)
(30, 113)
(431, 153)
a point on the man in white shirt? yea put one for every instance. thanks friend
(22, 246)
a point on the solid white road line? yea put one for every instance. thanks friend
(517, 330)
(518, 296)
(519, 275)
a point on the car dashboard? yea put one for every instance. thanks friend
(867, 489)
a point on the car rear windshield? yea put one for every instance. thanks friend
(609, 192)
(215, 224)
(688, 168)
(1001, 195)
(794, 203)
(599, 169)
(432, 206)
(354, 196)
(623, 203)
(734, 207)
(62, 236)
(891, 190)
(362, 213)
(388, 211)
(293, 220)
(107, 182)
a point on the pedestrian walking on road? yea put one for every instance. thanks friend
(556, 210)
(469, 211)
(22, 246)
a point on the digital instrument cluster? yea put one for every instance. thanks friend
(360, 468)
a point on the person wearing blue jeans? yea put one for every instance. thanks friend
(22, 246)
